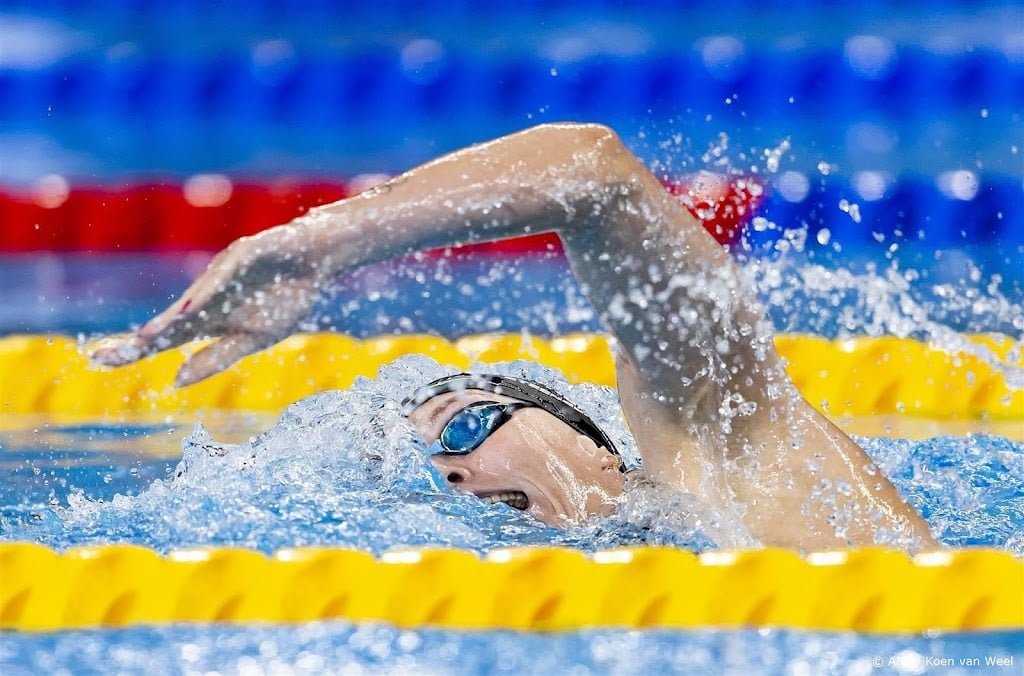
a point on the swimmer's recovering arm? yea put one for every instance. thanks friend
(617, 221)
(698, 370)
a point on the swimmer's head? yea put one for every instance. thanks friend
(509, 440)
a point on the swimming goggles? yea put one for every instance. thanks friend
(527, 393)
(472, 425)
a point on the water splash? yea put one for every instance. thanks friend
(841, 303)
(968, 489)
(346, 469)
(378, 648)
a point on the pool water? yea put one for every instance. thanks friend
(341, 647)
(343, 469)
(888, 134)
(346, 469)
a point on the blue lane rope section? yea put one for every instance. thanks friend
(322, 89)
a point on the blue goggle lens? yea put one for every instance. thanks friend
(468, 429)
(471, 426)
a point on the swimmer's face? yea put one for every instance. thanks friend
(563, 475)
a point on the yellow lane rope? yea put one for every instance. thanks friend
(880, 376)
(546, 589)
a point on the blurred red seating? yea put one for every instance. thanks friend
(208, 212)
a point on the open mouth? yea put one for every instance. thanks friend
(515, 499)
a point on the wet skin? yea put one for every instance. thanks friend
(703, 390)
(563, 474)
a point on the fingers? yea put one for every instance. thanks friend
(257, 324)
(116, 350)
(196, 297)
(252, 302)
(125, 348)
(188, 318)
(218, 356)
(160, 323)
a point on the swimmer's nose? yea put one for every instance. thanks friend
(453, 472)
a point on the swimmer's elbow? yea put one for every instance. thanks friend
(581, 136)
(579, 133)
(594, 152)
(595, 169)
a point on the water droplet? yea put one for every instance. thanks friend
(960, 184)
(851, 208)
(793, 186)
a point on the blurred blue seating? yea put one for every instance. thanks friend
(912, 211)
(756, 86)
(188, 84)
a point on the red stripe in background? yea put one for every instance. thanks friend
(209, 212)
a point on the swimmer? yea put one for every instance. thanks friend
(702, 388)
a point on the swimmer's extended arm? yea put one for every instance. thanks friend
(619, 225)
(700, 380)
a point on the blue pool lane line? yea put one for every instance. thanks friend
(951, 210)
(331, 88)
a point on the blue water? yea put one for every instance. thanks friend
(345, 469)
(340, 647)
(108, 91)
(341, 469)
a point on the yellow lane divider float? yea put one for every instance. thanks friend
(546, 589)
(40, 374)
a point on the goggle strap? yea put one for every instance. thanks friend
(525, 391)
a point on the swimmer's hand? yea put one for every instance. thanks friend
(253, 294)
